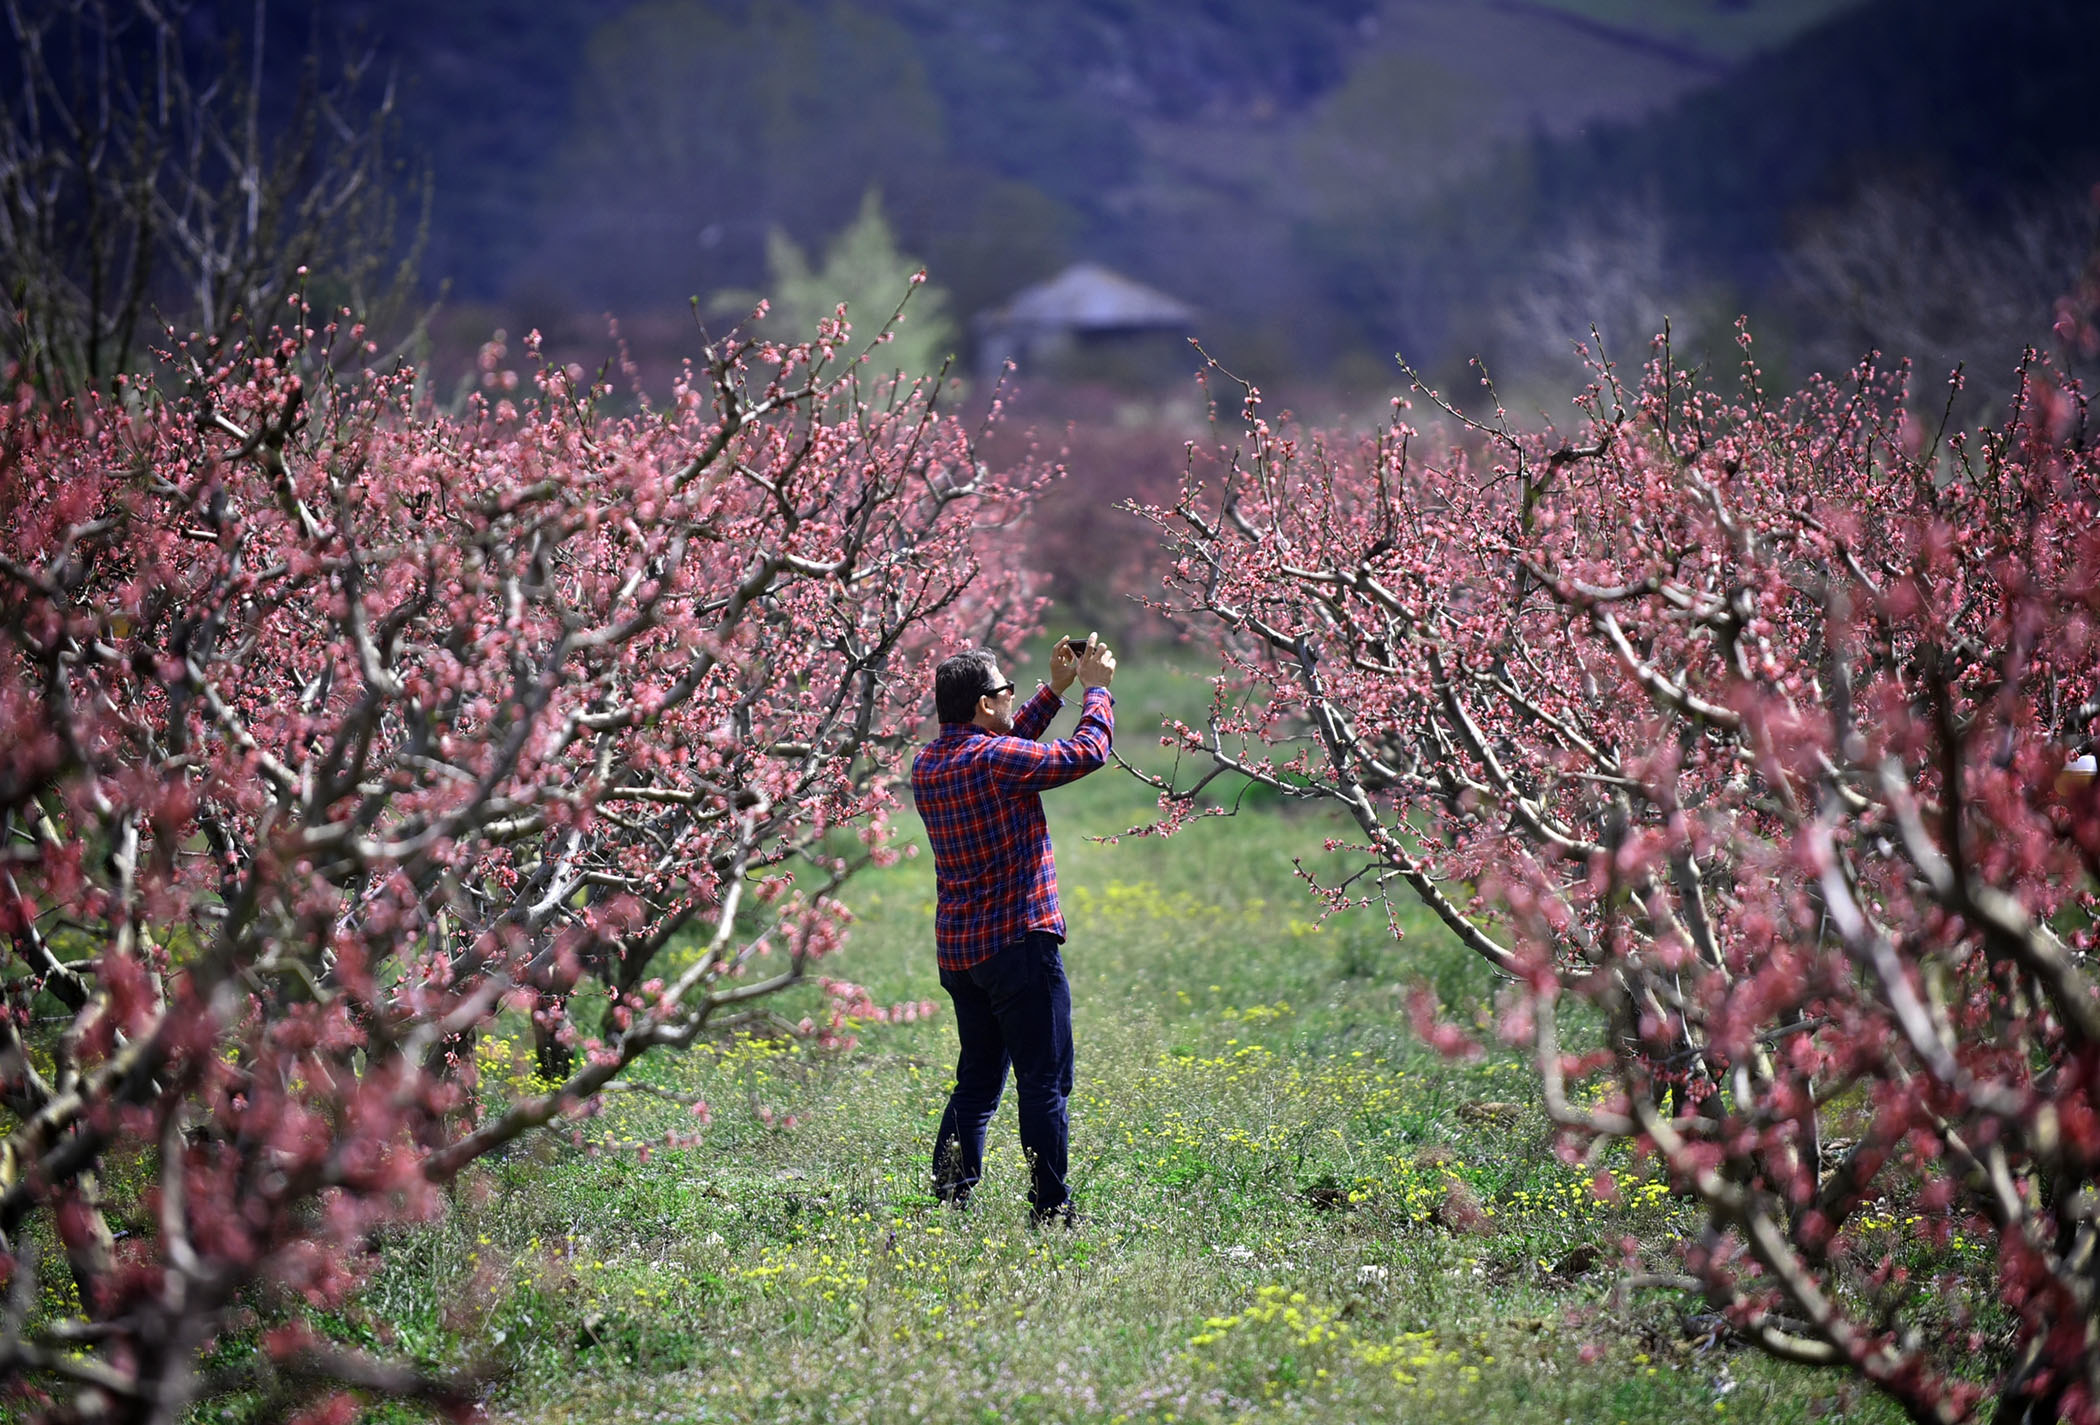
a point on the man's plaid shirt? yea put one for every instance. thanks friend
(977, 793)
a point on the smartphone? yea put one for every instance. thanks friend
(1077, 643)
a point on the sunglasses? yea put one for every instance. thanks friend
(995, 692)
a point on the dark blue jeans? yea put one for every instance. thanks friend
(1016, 1009)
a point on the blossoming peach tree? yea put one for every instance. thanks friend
(1733, 732)
(335, 733)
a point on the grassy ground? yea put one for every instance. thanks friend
(1292, 1210)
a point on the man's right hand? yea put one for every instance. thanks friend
(1098, 667)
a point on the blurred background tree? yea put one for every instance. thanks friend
(1328, 181)
(864, 271)
(700, 131)
(153, 175)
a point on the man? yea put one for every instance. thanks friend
(996, 923)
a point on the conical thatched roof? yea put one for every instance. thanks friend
(1089, 297)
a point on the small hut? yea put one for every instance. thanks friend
(1087, 322)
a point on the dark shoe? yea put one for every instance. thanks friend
(1062, 1215)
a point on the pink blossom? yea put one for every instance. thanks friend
(383, 756)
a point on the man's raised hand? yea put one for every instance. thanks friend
(1097, 666)
(1064, 663)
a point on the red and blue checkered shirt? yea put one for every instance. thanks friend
(977, 793)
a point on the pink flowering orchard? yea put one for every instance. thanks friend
(333, 729)
(1734, 733)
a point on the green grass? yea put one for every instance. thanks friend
(1261, 1150)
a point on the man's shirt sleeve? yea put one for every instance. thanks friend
(1035, 715)
(1022, 765)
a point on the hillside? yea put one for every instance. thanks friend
(1327, 179)
(1976, 117)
